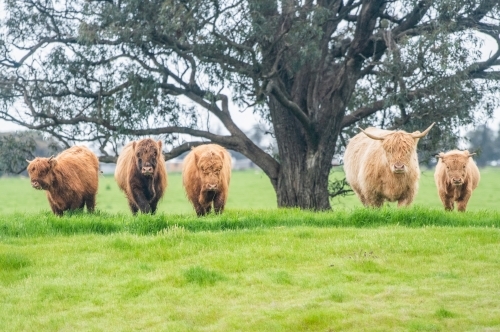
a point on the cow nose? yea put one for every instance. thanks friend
(457, 180)
(147, 169)
(399, 167)
(34, 183)
(212, 186)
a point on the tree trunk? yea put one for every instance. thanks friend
(302, 186)
(304, 165)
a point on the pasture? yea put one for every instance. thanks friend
(254, 268)
(248, 190)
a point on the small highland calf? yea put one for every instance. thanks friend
(141, 173)
(206, 173)
(70, 179)
(456, 176)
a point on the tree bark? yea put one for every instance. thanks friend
(304, 167)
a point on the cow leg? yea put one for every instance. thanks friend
(141, 202)
(374, 201)
(462, 201)
(56, 210)
(203, 204)
(154, 205)
(90, 203)
(53, 205)
(447, 201)
(133, 207)
(360, 195)
(408, 198)
(200, 209)
(81, 206)
(219, 202)
(405, 200)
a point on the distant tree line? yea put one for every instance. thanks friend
(16, 147)
(486, 143)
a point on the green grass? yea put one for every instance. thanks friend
(253, 268)
(248, 190)
(47, 224)
(300, 278)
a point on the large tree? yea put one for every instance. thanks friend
(104, 70)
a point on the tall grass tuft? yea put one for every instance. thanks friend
(202, 276)
(42, 224)
(13, 261)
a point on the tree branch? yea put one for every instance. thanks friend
(290, 105)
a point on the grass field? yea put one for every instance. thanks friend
(248, 190)
(254, 268)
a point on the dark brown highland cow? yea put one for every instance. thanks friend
(205, 174)
(70, 179)
(141, 173)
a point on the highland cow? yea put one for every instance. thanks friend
(382, 165)
(142, 175)
(456, 176)
(70, 179)
(206, 174)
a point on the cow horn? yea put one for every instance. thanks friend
(422, 134)
(29, 161)
(471, 154)
(380, 138)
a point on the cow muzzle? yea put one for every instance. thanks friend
(457, 181)
(147, 171)
(36, 185)
(211, 187)
(399, 168)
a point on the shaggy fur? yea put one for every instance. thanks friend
(206, 174)
(385, 168)
(456, 176)
(70, 179)
(142, 175)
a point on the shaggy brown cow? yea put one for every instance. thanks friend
(70, 179)
(141, 173)
(456, 176)
(206, 173)
(383, 165)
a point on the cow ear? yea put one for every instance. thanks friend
(52, 161)
(440, 155)
(195, 155)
